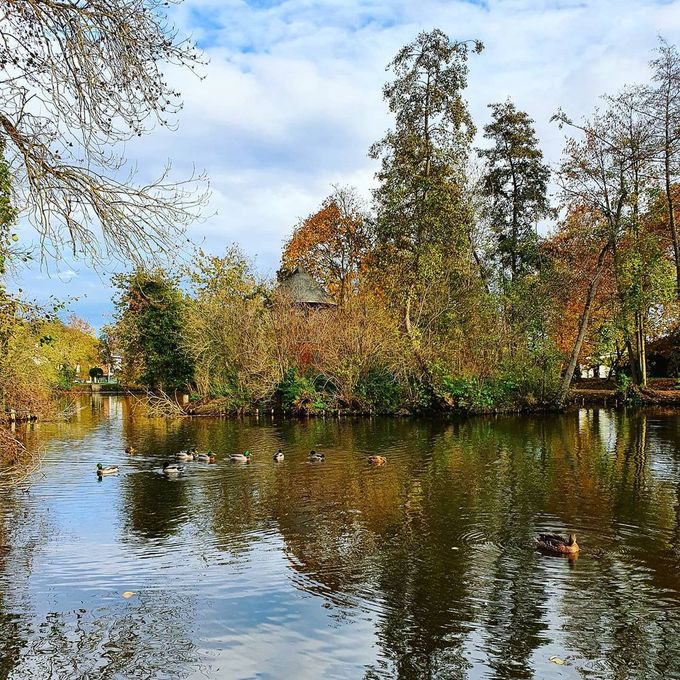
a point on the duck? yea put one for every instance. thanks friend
(185, 455)
(278, 456)
(316, 455)
(172, 468)
(240, 457)
(558, 545)
(377, 460)
(106, 469)
(209, 457)
(130, 450)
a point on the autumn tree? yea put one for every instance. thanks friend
(515, 184)
(78, 80)
(332, 244)
(227, 332)
(592, 180)
(422, 212)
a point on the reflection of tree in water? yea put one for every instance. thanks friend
(12, 628)
(20, 535)
(147, 638)
(407, 547)
(154, 505)
(437, 546)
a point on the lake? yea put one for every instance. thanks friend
(422, 568)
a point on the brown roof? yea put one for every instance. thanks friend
(303, 289)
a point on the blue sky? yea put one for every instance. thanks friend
(291, 101)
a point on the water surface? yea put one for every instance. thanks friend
(423, 568)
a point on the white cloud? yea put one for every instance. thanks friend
(292, 95)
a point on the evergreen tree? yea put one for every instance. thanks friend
(421, 204)
(515, 184)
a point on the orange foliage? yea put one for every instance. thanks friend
(572, 253)
(331, 245)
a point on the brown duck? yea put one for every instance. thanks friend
(377, 460)
(558, 545)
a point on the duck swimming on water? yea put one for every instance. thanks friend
(130, 450)
(240, 457)
(172, 468)
(377, 460)
(316, 455)
(558, 545)
(106, 469)
(278, 456)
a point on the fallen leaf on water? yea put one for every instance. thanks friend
(128, 594)
(557, 660)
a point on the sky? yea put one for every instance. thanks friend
(291, 100)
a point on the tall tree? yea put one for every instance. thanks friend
(332, 244)
(515, 183)
(663, 109)
(592, 180)
(422, 211)
(77, 81)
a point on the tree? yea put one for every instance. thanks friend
(79, 80)
(332, 244)
(663, 109)
(515, 184)
(95, 374)
(592, 180)
(226, 330)
(149, 329)
(422, 239)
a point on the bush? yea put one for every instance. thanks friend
(66, 376)
(380, 391)
(298, 393)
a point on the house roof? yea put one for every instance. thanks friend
(303, 289)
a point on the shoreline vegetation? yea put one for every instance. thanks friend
(441, 295)
(477, 278)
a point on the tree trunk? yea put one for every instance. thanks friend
(671, 222)
(563, 389)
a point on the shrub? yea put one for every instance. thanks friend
(380, 391)
(298, 393)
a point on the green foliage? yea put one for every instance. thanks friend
(298, 393)
(515, 185)
(421, 203)
(475, 394)
(95, 373)
(149, 328)
(623, 383)
(380, 390)
(66, 376)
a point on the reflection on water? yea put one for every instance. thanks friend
(423, 568)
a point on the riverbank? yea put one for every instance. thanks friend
(599, 392)
(587, 392)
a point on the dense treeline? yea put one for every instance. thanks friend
(463, 284)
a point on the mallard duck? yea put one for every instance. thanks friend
(185, 455)
(172, 468)
(240, 457)
(278, 456)
(377, 460)
(207, 457)
(106, 469)
(130, 450)
(316, 455)
(558, 545)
